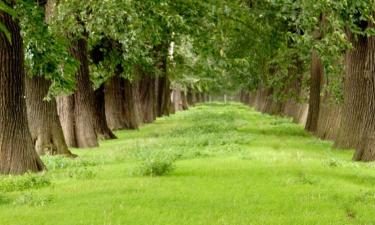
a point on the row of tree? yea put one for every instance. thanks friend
(314, 61)
(72, 71)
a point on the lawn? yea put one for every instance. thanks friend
(224, 163)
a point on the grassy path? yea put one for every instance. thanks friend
(233, 166)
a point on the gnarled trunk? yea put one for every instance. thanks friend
(44, 123)
(101, 127)
(77, 112)
(17, 152)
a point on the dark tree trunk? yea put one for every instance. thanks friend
(197, 97)
(130, 107)
(115, 103)
(366, 149)
(101, 127)
(164, 96)
(44, 123)
(82, 103)
(354, 106)
(17, 152)
(138, 104)
(315, 89)
(147, 97)
(190, 97)
(184, 101)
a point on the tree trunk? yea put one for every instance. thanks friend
(138, 104)
(77, 112)
(315, 89)
(115, 103)
(366, 149)
(190, 97)
(177, 100)
(147, 97)
(197, 97)
(329, 119)
(17, 152)
(44, 123)
(130, 106)
(101, 127)
(65, 110)
(164, 96)
(184, 101)
(354, 106)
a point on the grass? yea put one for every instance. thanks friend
(226, 164)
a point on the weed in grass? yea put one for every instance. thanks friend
(154, 163)
(303, 178)
(60, 162)
(333, 163)
(20, 183)
(4, 199)
(82, 173)
(32, 199)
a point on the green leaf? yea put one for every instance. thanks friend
(9, 10)
(8, 35)
(6, 8)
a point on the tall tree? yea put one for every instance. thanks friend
(17, 153)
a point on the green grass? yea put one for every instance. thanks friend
(231, 165)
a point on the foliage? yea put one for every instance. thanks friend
(9, 10)
(28, 181)
(154, 163)
(32, 199)
(46, 54)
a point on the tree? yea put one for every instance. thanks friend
(45, 56)
(17, 153)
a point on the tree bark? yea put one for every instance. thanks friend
(147, 97)
(354, 106)
(79, 127)
(315, 89)
(44, 123)
(329, 119)
(366, 150)
(177, 100)
(17, 152)
(164, 96)
(101, 127)
(184, 101)
(190, 97)
(130, 107)
(114, 103)
(138, 104)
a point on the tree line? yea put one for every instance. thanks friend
(72, 71)
(314, 61)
